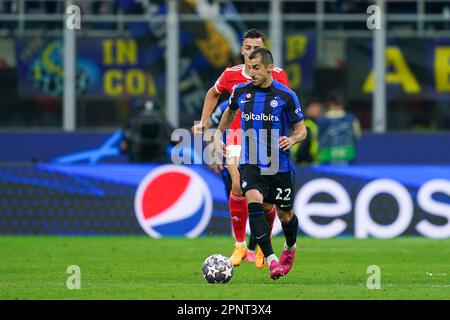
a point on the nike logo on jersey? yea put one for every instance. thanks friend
(244, 101)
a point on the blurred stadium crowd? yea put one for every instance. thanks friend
(132, 6)
(319, 56)
(113, 7)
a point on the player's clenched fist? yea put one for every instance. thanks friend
(198, 128)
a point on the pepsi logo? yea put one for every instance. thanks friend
(173, 201)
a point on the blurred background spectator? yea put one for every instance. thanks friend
(306, 151)
(121, 50)
(338, 132)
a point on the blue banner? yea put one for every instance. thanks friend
(89, 147)
(135, 67)
(190, 201)
(105, 67)
(414, 67)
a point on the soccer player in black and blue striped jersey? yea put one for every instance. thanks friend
(267, 171)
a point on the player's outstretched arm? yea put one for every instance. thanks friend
(298, 135)
(227, 118)
(211, 99)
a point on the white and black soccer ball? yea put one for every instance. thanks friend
(217, 269)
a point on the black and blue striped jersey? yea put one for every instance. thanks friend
(266, 116)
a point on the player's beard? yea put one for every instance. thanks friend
(257, 82)
(260, 82)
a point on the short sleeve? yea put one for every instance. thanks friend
(293, 109)
(233, 100)
(220, 84)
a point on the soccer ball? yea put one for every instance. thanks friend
(217, 269)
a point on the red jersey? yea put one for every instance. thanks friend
(235, 75)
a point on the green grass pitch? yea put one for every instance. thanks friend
(170, 268)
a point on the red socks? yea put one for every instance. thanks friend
(239, 215)
(270, 216)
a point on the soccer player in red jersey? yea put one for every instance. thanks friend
(232, 76)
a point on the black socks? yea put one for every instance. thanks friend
(290, 231)
(260, 227)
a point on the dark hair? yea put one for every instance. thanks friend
(264, 53)
(335, 96)
(255, 34)
(313, 100)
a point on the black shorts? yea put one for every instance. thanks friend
(277, 189)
